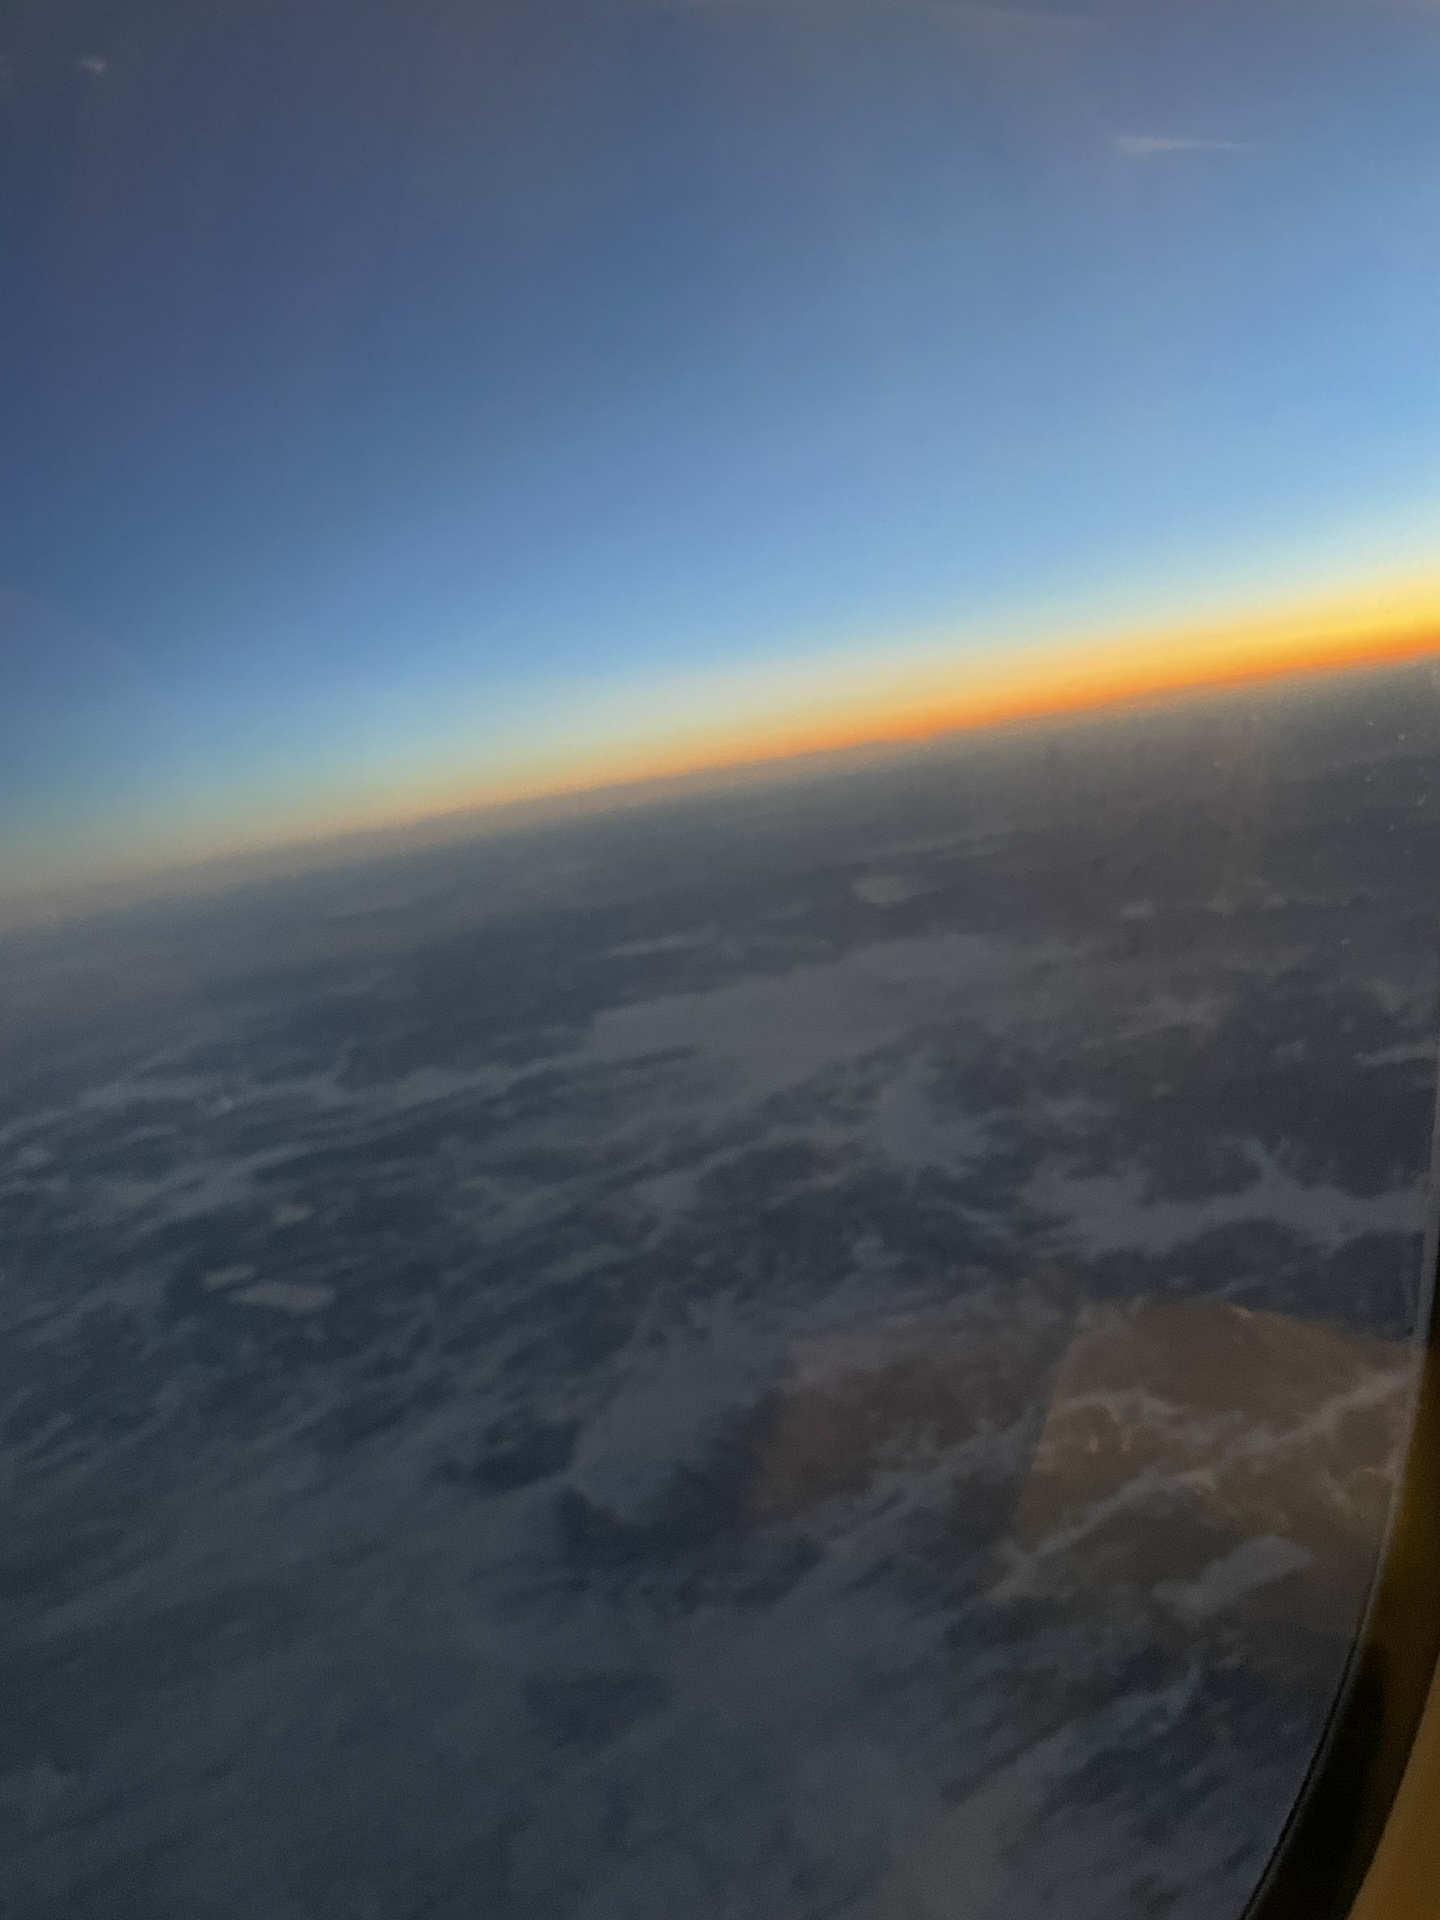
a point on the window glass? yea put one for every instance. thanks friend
(718, 970)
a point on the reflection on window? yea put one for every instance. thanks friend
(837, 1347)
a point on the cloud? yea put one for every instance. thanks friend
(1143, 146)
(977, 14)
(1019, 19)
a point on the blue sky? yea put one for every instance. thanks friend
(403, 396)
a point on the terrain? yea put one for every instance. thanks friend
(834, 1349)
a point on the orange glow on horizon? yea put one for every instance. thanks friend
(910, 705)
(919, 694)
(1128, 673)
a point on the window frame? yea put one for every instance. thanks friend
(1363, 1839)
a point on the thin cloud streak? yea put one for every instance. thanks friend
(1024, 19)
(1145, 146)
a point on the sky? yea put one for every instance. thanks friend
(410, 403)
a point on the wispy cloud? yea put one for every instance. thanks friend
(1144, 146)
(973, 13)
(1019, 19)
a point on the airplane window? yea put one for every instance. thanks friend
(719, 816)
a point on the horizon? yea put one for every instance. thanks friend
(1083, 688)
